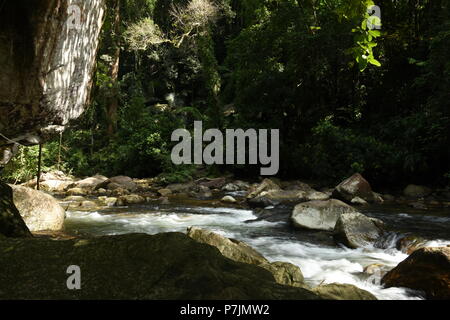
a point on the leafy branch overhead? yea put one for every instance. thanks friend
(188, 21)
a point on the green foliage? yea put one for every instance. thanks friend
(287, 64)
(24, 165)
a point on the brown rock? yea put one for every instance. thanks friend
(426, 269)
(355, 186)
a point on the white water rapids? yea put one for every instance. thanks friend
(320, 263)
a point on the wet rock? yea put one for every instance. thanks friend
(39, 210)
(217, 183)
(418, 205)
(122, 182)
(355, 186)
(165, 192)
(358, 201)
(283, 272)
(388, 198)
(91, 182)
(415, 191)
(230, 248)
(120, 192)
(410, 243)
(356, 230)
(54, 185)
(285, 197)
(76, 192)
(102, 192)
(242, 185)
(230, 187)
(228, 199)
(168, 266)
(164, 200)
(286, 273)
(265, 185)
(296, 185)
(319, 215)
(110, 201)
(374, 268)
(181, 187)
(426, 269)
(88, 204)
(130, 200)
(74, 198)
(337, 291)
(201, 192)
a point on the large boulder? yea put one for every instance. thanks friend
(355, 186)
(319, 215)
(11, 223)
(283, 272)
(39, 210)
(415, 191)
(426, 269)
(355, 230)
(168, 266)
(337, 291)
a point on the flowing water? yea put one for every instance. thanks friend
(320, 260)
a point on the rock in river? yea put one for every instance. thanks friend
(426, 269)
(283, 272)
(355, 186)
(319, 215)
(356, 230)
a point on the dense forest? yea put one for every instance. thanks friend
(350, 92)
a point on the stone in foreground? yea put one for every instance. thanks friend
(283, 272)
(426, 269)
(165, 266)
(11, 223)
(337, 291)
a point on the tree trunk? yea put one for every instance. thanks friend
(113, 103)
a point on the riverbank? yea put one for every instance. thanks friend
(228, 208)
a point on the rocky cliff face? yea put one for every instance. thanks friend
(47, 59)
(47, 54)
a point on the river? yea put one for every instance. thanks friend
(320, 260)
